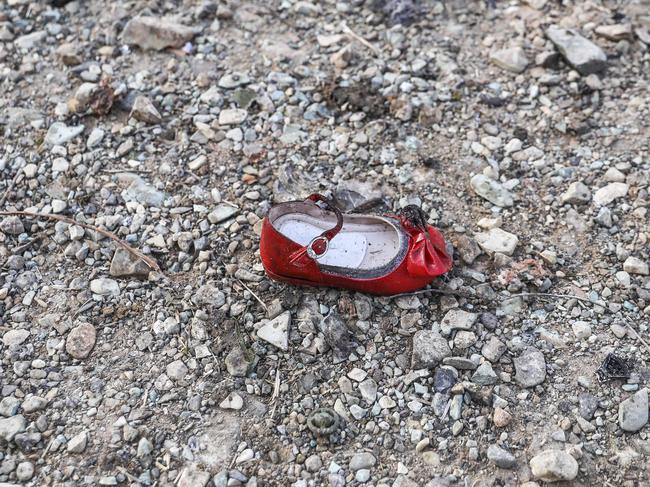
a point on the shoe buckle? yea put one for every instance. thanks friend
(310, 247)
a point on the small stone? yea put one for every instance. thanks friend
(609, 193)
(501, 417)
(577, 193)
(313, 463)
(530, 368)
(634, 265)
(553, 466)
(511, 59)
(12, 225)
(125, 264)
(237, 363)
(193, 477)
(585, 56)
(615, 32)
(484, 375)
(33, 404)
(145, 111)
(604, 217)
(581, 329)
(491, 190)
(497, 240)
(59, 133)
(24, 471)
(13, 338)
(233, 80)
(458, 319)
(501, 458)
(176, 370)
(105, 287)
(77, 444)
(429, 348)
(633, 412)
(232, 116)
(9, 406)
(233, 401)
(493, 349)
(81, 341)
(444, 379)
(142, 192)
(156, 33)
(363, 460)
(222, 213)
(276, 331)
(10, 427)
(368, 390)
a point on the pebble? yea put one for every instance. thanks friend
(501, 458)
(554, 466)
(77, 444)
(10, 427)
(497, 240)
(13, 338)
(530, 368)
(491, 190)
(276, 331)
(609, 193)
(429, 349)
(125, 264)
(24, 471)
(80, 341)
(360, 461)
(233, 401)
(145, 111)
(233, 116)
(582, 54)
(192, 476)
(493, 349)
(633, 412)
(484, 375)
(105, 287)
(634, 265)
(501, 417)
(156, 33)
(512, 59)
(59, 133)
(577, 193)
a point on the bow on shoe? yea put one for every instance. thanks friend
(428, 256)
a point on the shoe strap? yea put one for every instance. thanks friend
(319, 245)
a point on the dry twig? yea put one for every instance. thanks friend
(357, 37)
(153, 265)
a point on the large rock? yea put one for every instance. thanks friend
(553, 466)
(633, 412)
(156, 33)
(585, 56)
(429, 349)
(491, 190)
(530, 368)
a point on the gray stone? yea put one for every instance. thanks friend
(368, 390)
(9, 406)
(13, 338)
(460, 363)
(429, 348)
(497, 240)
(222, 213)
(276, 331)
(577, 193)
(236, 363)
(105, 287)
(588, 403)
(615, 32)
(553, 466)
(29, 41)
(633, 412)
(609, 193)
(634, 265)
(193, 477)
(457, 319)
(511, 59)
(313, 463)
(491, 190)
(501, 458)
(10, 427)
(585, 56)
(95, 138)
(12, 225)
(156, 33)
(233, 80)
(59, 133)
(362, 460)
(232, 401)
(530, 368)
(25, 471)
(484, 375)
(34, 403)
(493, 349)
(81, 341)
(142, 192)
(145, 111)
(176, 370)
(125, 264)
(232, 116)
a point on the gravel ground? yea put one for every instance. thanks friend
(521, 130)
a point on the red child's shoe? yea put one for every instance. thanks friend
(305, 244)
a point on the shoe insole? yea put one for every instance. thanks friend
(356, 246)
